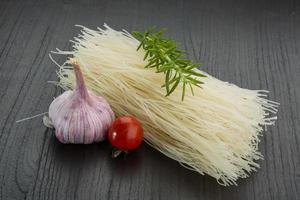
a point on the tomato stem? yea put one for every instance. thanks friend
(115, 152)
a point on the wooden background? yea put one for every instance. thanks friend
(254, 43)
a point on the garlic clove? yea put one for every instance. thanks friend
(80, 116)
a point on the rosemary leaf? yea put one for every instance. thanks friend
(183, 90)
(163, 54)
(173, 87)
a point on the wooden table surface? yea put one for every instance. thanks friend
(254, 44)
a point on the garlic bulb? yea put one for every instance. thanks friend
(79, 116)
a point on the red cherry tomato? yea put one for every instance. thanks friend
(125, 133)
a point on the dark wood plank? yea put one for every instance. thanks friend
(255, 44)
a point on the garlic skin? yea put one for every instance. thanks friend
(79, 116)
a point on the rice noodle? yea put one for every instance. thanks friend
(215, 132)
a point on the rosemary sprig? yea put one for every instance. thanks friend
(162, 54)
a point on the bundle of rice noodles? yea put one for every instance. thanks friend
(215, 131)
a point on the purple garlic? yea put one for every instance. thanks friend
(80, 116)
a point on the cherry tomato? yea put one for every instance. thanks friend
(125, 133)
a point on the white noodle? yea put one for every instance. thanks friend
(214, 132)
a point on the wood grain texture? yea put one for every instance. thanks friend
(255, 44)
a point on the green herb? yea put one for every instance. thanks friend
(162, 54)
